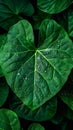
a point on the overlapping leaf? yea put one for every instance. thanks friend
(53, 6)
(36, 74)
(45, 112)
(10, 11)
(9, 120)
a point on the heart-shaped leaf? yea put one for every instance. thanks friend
(36, 74)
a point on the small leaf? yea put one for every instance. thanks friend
(9, 120)
(53, 6)
(36, 126)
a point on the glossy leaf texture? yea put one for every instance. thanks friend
(53, 6)
(36, 74)
(10, 11)
(36, 126)
(43, 113)
(9, 120)
(4, 91)
(67, 94)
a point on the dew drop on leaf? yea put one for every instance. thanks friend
(18, 74)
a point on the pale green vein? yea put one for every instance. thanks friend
(59, 50)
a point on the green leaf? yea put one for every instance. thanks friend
(36, 74)
(9, 120)
(10, 11)
(36, 126)
(53, 6)
(4, 91)
(45, 112)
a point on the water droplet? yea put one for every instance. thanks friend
(38, 58)
(18, 74)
